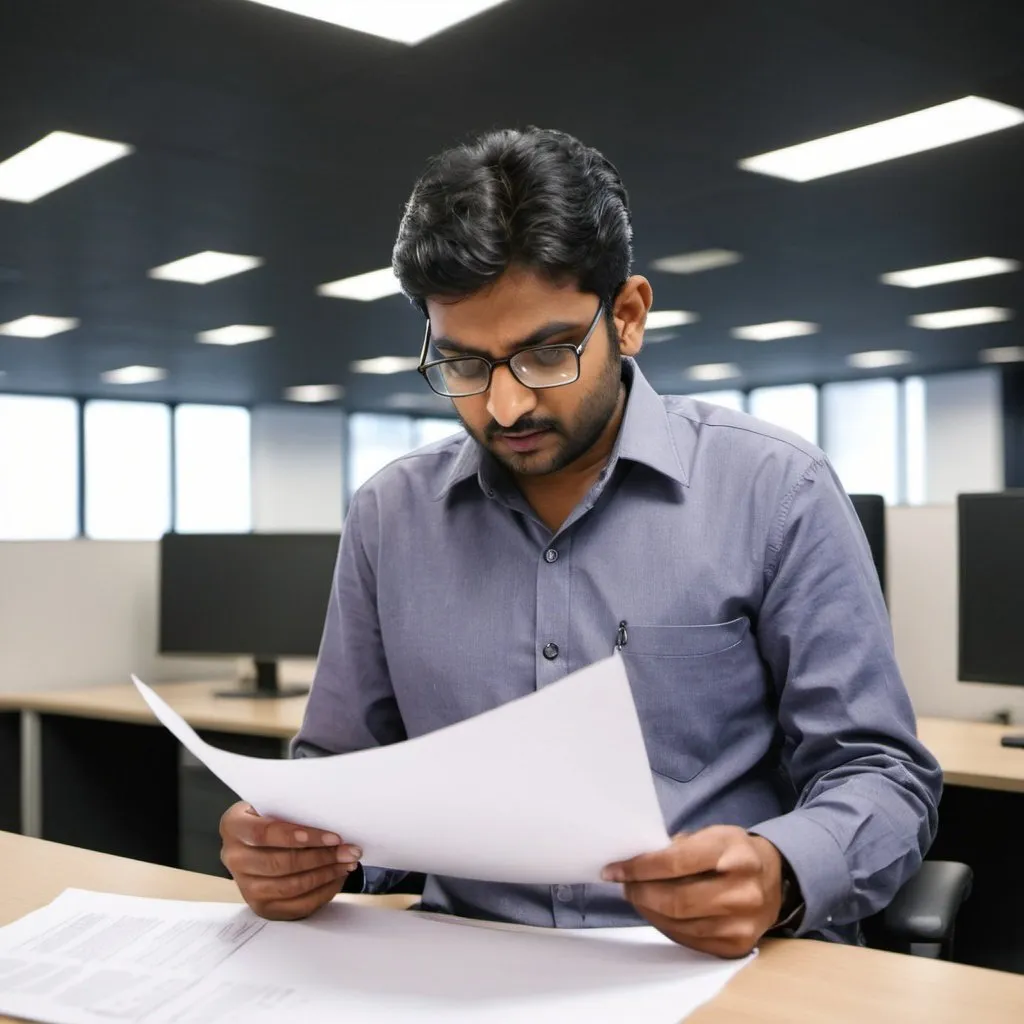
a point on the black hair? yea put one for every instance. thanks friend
(535, 198)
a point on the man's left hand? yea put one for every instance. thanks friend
(717, 890)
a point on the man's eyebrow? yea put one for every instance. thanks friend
(538, 337)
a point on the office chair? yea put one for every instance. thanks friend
(921, 919)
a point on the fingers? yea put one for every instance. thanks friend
(244, 825)
(694, 854)
(294, 898)
(269, 862)
(699, 897)
(727, 937)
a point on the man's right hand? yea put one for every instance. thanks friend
(284, 871)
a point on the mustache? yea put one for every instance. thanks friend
(525, 425)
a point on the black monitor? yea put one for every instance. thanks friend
(870, 509)
(260, 595)
(991, 570)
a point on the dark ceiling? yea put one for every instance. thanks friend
(264, 133)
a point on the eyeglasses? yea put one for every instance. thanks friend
(537, 367)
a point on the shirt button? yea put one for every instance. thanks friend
(564, 893)
(551, 555)
(550, 651)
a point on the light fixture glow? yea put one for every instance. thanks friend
(400, 20)
(415, 400)
(775, 330)
(713, 371)
(878, 359)
(314, 393)
(204, 267)
(235, 334)
(134, 375)
(942, 273)
(385, 364)
(1004, 354)
(942, 125)
(35, 326)
(696, 262)
(961, 318)
(53, 162)
(659, 319)
(375, 284)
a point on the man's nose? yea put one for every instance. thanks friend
(508, 400)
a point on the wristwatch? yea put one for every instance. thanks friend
(793, 904)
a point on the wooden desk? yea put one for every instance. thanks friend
(971, 755)
(791, 982)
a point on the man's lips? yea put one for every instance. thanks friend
(524, 441)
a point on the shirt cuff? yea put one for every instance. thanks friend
(818, 865)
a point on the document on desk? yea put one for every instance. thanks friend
(93, 958)
(546, 789)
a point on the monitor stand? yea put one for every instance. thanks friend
(267, 685)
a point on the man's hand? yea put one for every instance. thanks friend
(717, 890)
(284, 871)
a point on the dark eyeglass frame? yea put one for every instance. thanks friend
(493, 364)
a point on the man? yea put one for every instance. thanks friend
(583, 511)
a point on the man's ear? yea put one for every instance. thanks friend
(630, 313)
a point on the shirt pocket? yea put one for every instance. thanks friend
(690, 684)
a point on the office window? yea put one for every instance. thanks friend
(793, 407)
(127, 470)
(374, 440)
(730, 399)
(38, 468)
(860, 423)
(427, 430)
(212, 469)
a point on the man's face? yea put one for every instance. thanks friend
(533, 432)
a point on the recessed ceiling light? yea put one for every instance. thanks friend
(375, 284)
(385, 364)
(696, 262)
(713, 371)
(659, 319)
(235, 334)
(38, 326)
(1006, 354)
(133, 375)
(314, 393)
(774, 331)
(53, 162)
(922, 130)
(878, 359)
(961, 318)
(204, 267)
(942, 273)
(400, 20)
(415, 400)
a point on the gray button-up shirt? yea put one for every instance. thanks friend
(759, 648)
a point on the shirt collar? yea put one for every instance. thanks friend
(644, 437)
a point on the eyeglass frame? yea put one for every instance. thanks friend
(493, 364)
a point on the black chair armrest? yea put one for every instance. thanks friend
(925, 909)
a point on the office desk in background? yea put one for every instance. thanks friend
(791, 982)
(93, 768)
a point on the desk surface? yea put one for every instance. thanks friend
(789, 983)
(969, 752)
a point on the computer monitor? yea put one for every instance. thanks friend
(258, 595)
(991, 571)
(870, 509)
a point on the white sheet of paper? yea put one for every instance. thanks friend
(547, 789)
(89, 958)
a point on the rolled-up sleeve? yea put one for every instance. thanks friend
(352, 704)
(867, 789)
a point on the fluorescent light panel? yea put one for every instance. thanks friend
(314, 393)
(878, 359)
(36, 326)
(204, 267)
(134, 375)
(400, 20)
(775, 330)
(415, 400)
(961, 119)
(659, 319)
(961, 318)
(235, 334)
(1004, 354)
(943, 273)
(385, 364)
(375, 284)
(53, 162)
(696, 262)
(713, 371)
